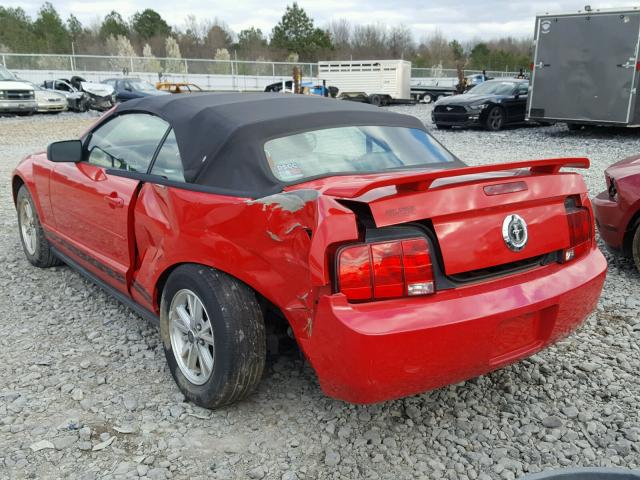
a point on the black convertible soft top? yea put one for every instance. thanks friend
(221, 136)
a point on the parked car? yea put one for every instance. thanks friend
(492, 104)
(16, 96)
(49, 101)
(178, 87)
(129, 88)
(617, 209)
(77, 101)
(83, 95)
(349, 224)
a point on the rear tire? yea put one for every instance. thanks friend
(427, 98)
(495, 119)
(34, 243)
(225, 331)
(635, 247)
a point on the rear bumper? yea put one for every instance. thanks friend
(610, 219)
(367, 353)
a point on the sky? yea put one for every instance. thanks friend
(463, 19)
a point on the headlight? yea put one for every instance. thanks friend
(480, 106)
(612, 188)
(3, 94)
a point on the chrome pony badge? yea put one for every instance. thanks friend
(514, 232)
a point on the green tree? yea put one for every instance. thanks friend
(296, 33)
(74, 27)
(50, 31)
(113, 25)
(480, 56)
(148, 24)
(16, 30)
(251, 38)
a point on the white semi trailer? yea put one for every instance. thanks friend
(379, 82)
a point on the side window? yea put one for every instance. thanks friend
(168, 163)
(127, 142)
(523, 89)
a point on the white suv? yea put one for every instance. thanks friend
(16, 96)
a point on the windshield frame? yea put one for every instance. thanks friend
(455, 163)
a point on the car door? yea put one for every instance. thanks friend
(92, 205)
(517, 103)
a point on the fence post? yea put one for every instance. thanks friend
(186, 67)
(71, 62)
(273, 70)
(131, 64)
(4, 61)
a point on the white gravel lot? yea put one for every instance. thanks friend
(85, 391)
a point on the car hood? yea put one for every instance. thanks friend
(468, 99)
(629, 167)
(14, 85)
(98, 89)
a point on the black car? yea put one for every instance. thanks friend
(492, 104)
(130, 88)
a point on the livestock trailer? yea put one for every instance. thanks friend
(585, 68)
(380, 82)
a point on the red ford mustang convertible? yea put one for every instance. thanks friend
(397, 268)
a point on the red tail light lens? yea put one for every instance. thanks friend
(579, 226)
(580, 235)
(418, 271)
(355, 272)
(388, 279)
(386, 270)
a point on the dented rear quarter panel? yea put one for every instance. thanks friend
(277, 245)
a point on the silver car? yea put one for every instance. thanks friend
(49, 101)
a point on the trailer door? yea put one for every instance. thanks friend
(585, 67)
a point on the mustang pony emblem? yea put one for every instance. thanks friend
(514, 232)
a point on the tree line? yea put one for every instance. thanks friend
(294, 38)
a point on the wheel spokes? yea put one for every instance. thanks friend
(206, 360)
(184, 321)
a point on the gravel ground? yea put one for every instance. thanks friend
(85, 392)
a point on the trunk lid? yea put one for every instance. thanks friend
(471, 207)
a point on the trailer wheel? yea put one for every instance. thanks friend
(375, 100)
(427, 98)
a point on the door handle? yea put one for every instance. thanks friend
(114, 201)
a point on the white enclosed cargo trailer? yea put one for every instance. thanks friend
(380, 81)
(586, 68)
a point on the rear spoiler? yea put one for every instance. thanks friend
(358, 186)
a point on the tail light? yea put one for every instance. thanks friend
(580, 233)
(386, 270)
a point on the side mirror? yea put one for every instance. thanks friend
(66, 151)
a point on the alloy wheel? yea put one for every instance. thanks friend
(495, 119)
(191, 336)
(28, 227)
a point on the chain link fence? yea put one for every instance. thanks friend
(212, 74)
